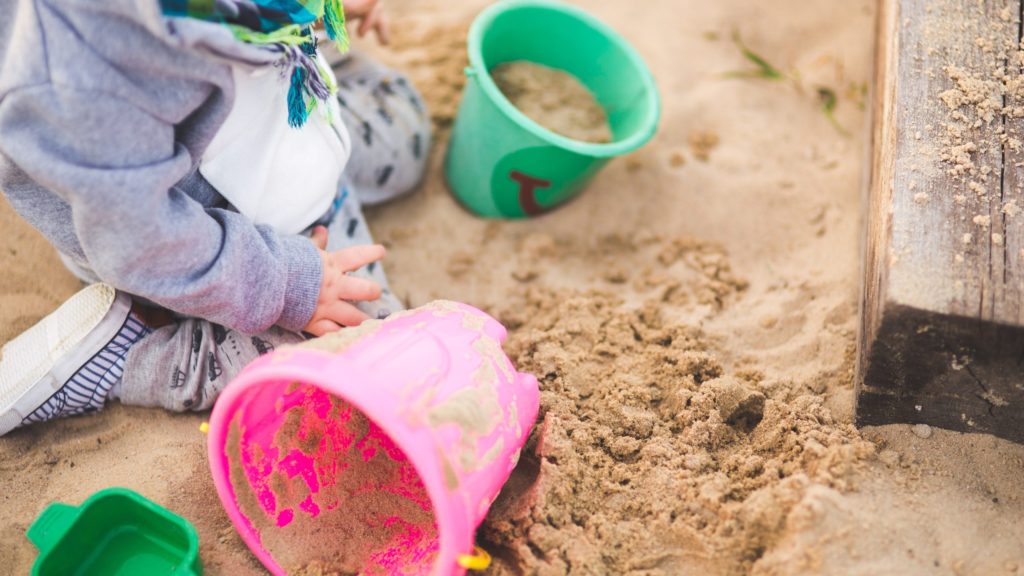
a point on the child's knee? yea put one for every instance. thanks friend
(400, 145)
(402, 175)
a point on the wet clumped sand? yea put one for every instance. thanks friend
(650, 454)
(369, 497)
(554, 99)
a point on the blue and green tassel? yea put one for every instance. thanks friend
(286, 27)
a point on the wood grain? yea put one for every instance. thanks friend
(942, 325)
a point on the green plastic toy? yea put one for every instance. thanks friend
(115, 532)
(501, 164)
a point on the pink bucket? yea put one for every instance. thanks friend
(379, 459)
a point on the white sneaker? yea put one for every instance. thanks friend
(67, 363)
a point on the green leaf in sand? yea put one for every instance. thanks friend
(764, 68)
(828, 99)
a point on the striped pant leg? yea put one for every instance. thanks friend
(89, 388)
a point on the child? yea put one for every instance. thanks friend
(201, 166)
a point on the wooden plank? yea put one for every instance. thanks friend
(942, 317)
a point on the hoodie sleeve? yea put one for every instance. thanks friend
(117, 166)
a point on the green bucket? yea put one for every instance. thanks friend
(115, 532)
(501, 164)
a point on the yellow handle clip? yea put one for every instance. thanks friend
(479, 560)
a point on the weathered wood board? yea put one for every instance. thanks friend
(942, 312)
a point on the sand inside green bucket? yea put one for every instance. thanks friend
(554, 99)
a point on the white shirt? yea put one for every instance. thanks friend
(271, 172)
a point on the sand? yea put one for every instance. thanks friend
(651, 451)
(355, 517)
(554, 99)
(657, 310)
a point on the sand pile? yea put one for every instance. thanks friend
(649, 452)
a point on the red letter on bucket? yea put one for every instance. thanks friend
(527, 185)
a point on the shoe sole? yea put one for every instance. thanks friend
(40, 361)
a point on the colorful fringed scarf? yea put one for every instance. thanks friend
(285, 26)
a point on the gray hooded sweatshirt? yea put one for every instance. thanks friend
(106, 107)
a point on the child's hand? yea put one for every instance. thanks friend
(337, 287)
(370, 16)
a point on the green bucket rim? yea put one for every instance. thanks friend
(482, 74)
(56, 521)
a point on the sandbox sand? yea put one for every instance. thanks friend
(704, 282)
(554, 99)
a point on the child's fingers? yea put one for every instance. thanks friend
(369, 21)
(322, 326)
(356, 257)
(363, 25)
(319, 237)
(359, 289)
(383, 30)
(345, 314)
(355, 9)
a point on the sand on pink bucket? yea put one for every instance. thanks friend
(331, 493)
